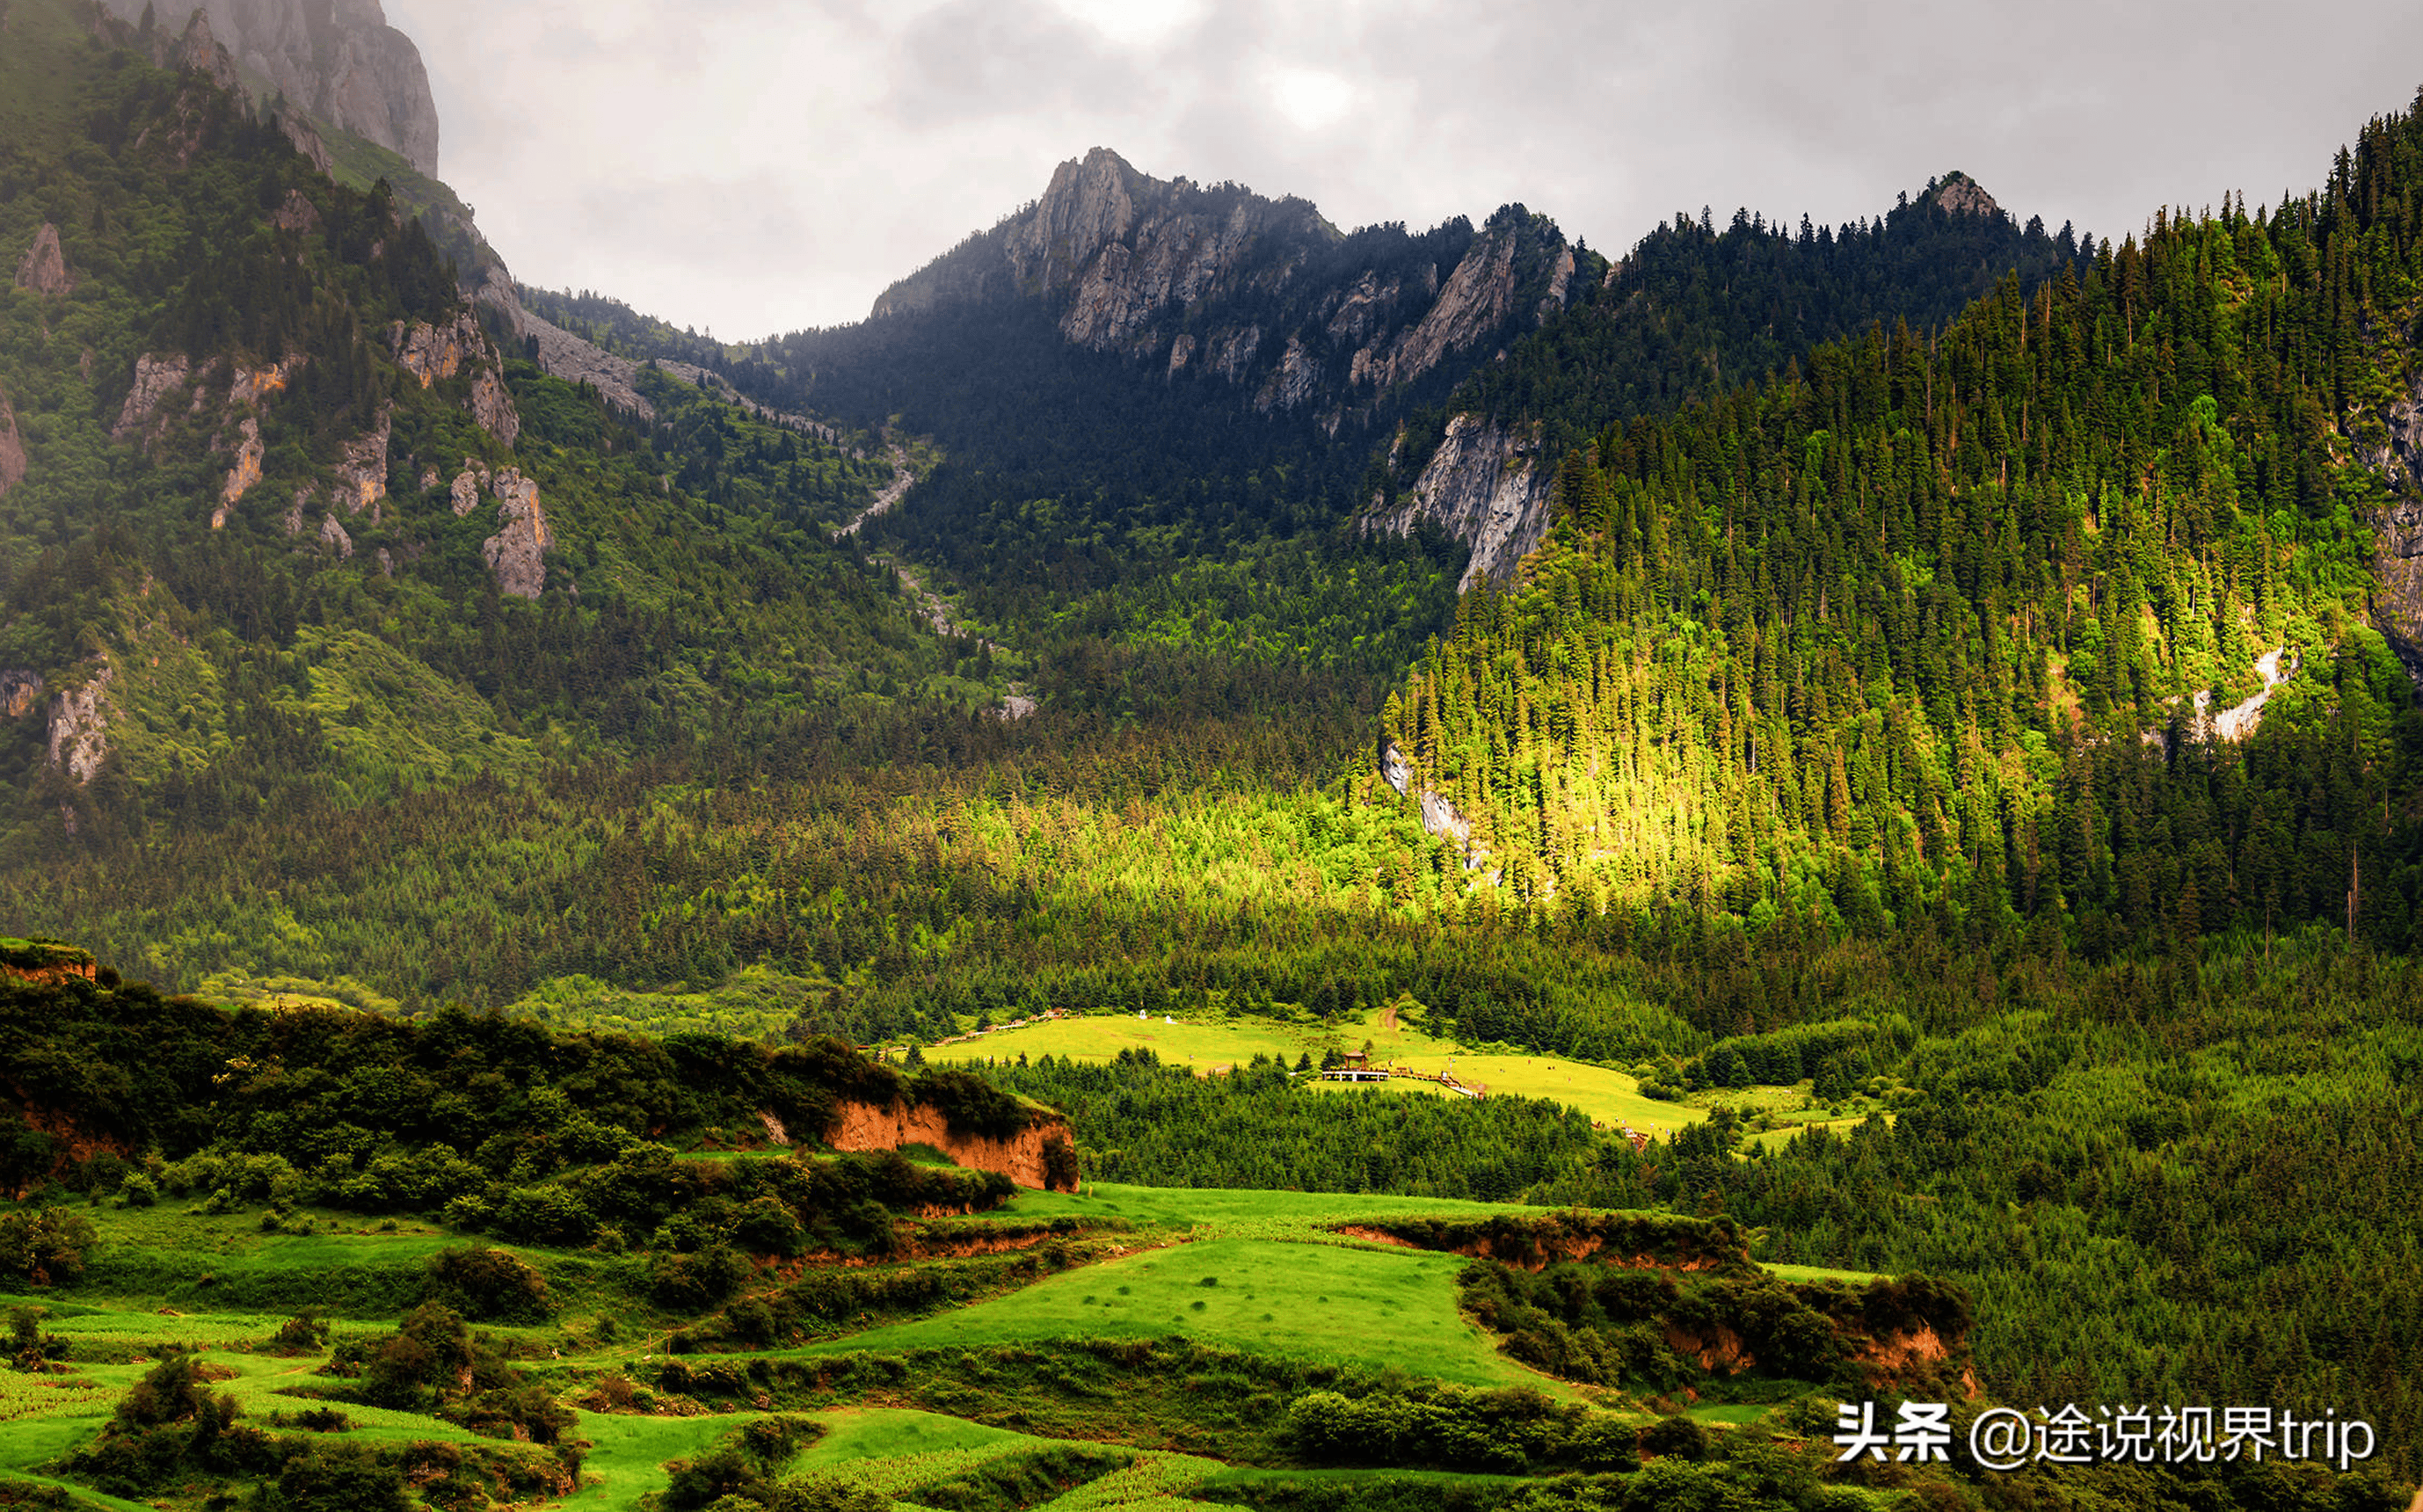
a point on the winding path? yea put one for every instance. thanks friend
(1016, 703)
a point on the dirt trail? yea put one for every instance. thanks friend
(889, 495)
(1015, 703)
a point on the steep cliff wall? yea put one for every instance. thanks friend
(1486, 485)
(1263, 294)
(1024, 1158)
(338, 60)
(2397, 530)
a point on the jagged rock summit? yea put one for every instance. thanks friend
(1261, 294)
(337, 59)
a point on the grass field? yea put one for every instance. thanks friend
(1216, 1043)
(1338, 1303)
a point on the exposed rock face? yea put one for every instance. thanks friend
(21, 689)
(338, 60)
(306, 139)
(198, 52)
(1438, 815)
(2398, 530)
(568, 357)
(296, 214)
(859, 1125)
(361, 473)
(246, 472)
(333, 534)
(1263, 293)
(1485, 486)
(1479, 296)
(1963, 195)
(155, 378)
(79, 726)
(434, 353)
(515, 554)
(12, 448)
(43, 269)
(467, 486)
(251, 385)
(493, 408)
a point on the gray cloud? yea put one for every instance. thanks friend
(757, 167)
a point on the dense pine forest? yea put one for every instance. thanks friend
(1934, 620)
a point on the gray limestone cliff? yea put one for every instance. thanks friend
(2396, 454)
(12, 448)
(339, 60)
(78, 734)
(1485, 486)
(1261, 294)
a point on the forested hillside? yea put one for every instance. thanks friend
(280, 525)
(1949, 621)
(1693, 311)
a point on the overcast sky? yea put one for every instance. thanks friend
(751, 167)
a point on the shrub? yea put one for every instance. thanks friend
(491, 1285)
(44, 1247)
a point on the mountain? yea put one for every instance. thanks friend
(281, 517)
(337, 60)
(2081, 617)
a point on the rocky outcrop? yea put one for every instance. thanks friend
(12, 448)
(1486, 485)
(517, 553)
(43, 269)
(2397, 530)
(492, 408)
(361, 471)
(434, 352)
(79, 726)
(1025, 1157)
(246, 472)
(197, 50)
(307, 141)
(337, 59)
(155, 378)
(465, 489)
(1479, 296)
(333, 535)
(21, 689)
(296, 214)
(1438, 815)
(1261, 293)
(568, 357)
(1964, 196)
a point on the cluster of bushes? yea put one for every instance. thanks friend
(435, 1364)
(813, 1305)
(1612, 1325)
(737, 1476)
(171, 1430)
(1668, 1239)
(701, 1219)
(1507, 1431)
(45, 1247)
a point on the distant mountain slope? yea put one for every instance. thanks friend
(1690, 312)
(280, 523)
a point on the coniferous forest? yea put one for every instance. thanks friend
(755, 925)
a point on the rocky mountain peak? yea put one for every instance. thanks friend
(1962, 194)
(339, 60)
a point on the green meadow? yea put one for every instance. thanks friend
(1213, 1044)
